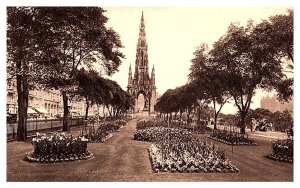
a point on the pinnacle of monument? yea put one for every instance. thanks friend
(153, 70)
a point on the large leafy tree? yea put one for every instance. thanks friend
(22, 53)
(209, 80)
(76, 36)
(249, 63)
(56, 41)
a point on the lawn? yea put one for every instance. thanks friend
(121, 158)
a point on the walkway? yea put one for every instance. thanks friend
(121, 158)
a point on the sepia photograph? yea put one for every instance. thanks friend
(103, 93)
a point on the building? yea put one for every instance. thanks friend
(141, 85)
(271, 103)
(48, 103)
(11, 98)
(41, 102)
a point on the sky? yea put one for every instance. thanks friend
(173, 34)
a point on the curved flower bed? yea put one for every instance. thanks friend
(283, 151)
(103, 132)
(177, 150)
(231, 139)
(57, 148)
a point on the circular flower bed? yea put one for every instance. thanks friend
(231, 139)
(57, 148)
(283, 151)
(177, 150)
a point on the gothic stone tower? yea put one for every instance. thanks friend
(141, 82)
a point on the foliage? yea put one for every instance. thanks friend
(283, 150)
(231, 138)
(172, 124)
(46, 45)
(248, 62)
(282, 120)
(209, 80)
(58, 147)
(103, 131)
(181, 99)
(257, 114)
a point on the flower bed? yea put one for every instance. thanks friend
(169, 158)
(231, 139)
(177, 150)
(196, 129)
(283, 151)
(103, 132)
(57, 148)
(148, 124)
(154, 134)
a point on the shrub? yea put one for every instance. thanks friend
(103, 131)
(283, 151)
(231, 138)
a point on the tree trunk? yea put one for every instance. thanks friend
(215, 120)
(86, 108)
(199, 114)
(188, 116)
(66, 126)
(22, 90)
(242, 122)
(180, 117)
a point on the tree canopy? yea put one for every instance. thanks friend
(47, 45)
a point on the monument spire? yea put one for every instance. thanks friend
(142, 83)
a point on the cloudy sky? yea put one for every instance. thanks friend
(173, 35)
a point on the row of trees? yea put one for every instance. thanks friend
(47, 45)
(185, 99)
(101, 91)
(243, 60)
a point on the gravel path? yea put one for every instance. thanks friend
(121, 158)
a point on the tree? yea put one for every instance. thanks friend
(248, 63)
(282, 120)
(278, 34)
(46, 45)
(91, 87)
(257, 114)
(73, 37)
(209, 80)
(21, 56)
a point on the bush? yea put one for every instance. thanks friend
(231, 138)
(147, 124)
(103, 131)
(58, 147)
(283, 151)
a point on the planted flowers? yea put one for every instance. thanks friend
(103, 132)
(283, 151)
(57, 148)
(177, 150)
(231, 138)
